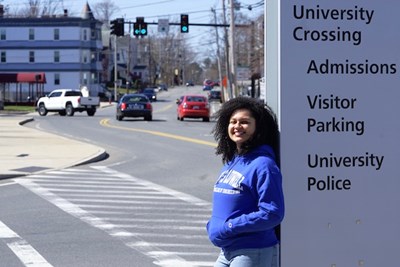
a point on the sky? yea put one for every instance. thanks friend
(199, 11)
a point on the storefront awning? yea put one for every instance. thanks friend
(23, 77)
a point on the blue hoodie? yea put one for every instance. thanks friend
(247, 202)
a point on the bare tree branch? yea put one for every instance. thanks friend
(104, 10)
(38, 8)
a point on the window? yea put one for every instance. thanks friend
(84, 79)
(93, 57)
(56, 34)
(31, 34)
(31, 56)
(3, 34)
(73, 93)
(85, 55)
(3, 57)
(56, 56)
(85, 37)
(93, 77)
(56, 79)
(55, 94)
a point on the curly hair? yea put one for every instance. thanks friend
(267, 132)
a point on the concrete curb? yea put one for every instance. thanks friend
(97, 154)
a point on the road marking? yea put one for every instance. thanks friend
(180, 195)
(99, 223)
(6, 184)
(164, 108)
(25, 252)
(126, 195)
(106, 123)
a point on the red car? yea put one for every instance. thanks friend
(208, 82)
(193, 106)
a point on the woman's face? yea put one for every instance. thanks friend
(241, 126)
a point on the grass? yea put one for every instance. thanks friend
(19, 108)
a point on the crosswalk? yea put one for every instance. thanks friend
(163, 224)
(21, 248)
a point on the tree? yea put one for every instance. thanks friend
(104, 10)
(5, 8)
(38, 8)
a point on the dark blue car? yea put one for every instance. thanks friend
(207, 88)
(134, 105)
(150, 93)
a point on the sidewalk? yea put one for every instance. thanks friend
(24, 151)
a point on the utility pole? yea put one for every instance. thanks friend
(253, 60)
(218, 53)
(228, 69)
(128, 65)
(183, 67)
(232, 50)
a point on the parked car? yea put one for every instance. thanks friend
(162, 87)
(215, 94)
(189, 83)
(193, 106)
(151, 93)
(207, 87)
(134, 105)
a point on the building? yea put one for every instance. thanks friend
(68, 50)
(130, 56)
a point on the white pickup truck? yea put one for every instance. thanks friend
(67, 102)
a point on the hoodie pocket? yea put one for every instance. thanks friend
(217, 232)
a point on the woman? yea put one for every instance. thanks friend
(248, 200)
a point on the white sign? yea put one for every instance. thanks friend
(243, 73)
(339, 108)
(163, 25)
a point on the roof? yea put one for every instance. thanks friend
(194, 95)
(87, 12)
(86, 18)
(58, 90)
(23, 77)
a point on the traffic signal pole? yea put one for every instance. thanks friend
(140, 30)
(115, 69)
(196, 24)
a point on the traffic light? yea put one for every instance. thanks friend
(140, 27)
(117, 27)
(136, 29)
(143, 29)
(184, 23)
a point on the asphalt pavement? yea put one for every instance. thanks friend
(25, 151)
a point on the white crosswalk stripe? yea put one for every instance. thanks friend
(161, 223)
(24, 251)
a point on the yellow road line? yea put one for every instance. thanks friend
(164, 108)
(106, 123)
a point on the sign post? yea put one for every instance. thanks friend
(338, 107)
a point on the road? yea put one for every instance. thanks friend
(146, 205)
